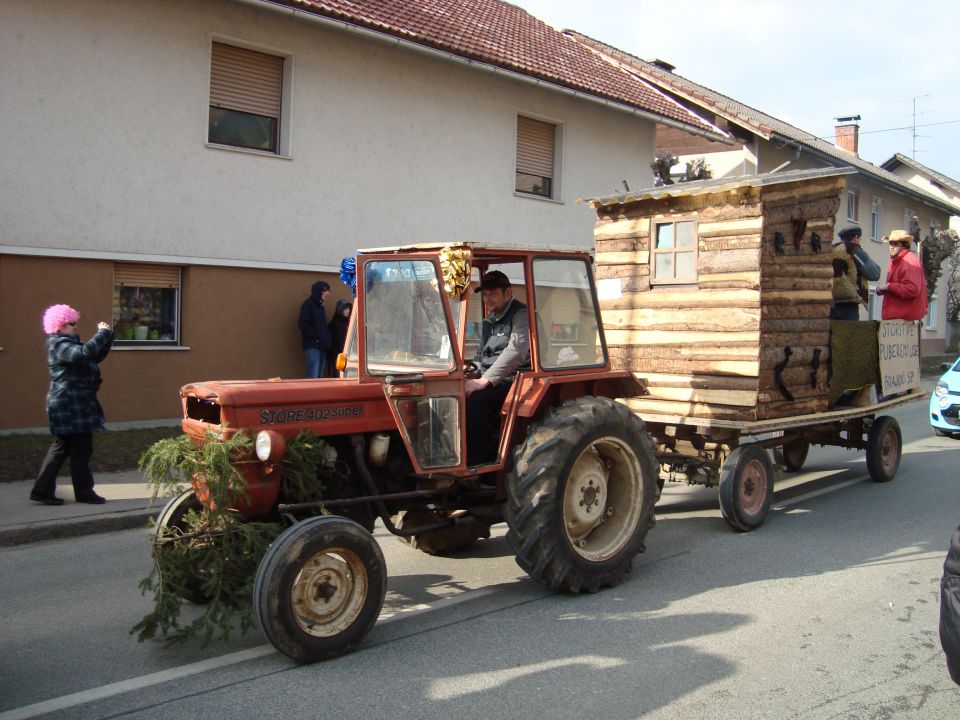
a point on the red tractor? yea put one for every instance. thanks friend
(573, 474)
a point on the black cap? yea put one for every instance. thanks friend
(850, 232)
(493, 279)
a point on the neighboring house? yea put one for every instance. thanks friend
(931, 181)
(186, 169)
(878, 200)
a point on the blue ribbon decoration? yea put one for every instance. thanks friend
(348, 274)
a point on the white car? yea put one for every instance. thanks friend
(945, 401)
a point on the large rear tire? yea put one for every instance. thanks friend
(884, 448)
(581, 494)
(746, 487)
(319, 588)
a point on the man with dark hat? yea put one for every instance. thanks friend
(504, 349)
(852, 268)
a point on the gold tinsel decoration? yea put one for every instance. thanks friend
(455, 264)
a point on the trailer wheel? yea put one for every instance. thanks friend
(746, 487)
(884, 448)
(580, 495)
(171, 525)
(792, 455)
(438, 542)
(319, 588)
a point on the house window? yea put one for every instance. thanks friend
(930, 322)
(246, 89)
(876, 219)
(674, 256)
(853, 205)
(536, 154)
(146, 304)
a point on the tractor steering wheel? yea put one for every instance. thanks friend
(470, 369)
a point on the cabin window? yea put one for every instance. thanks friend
(674, 256)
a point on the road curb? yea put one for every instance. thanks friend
(57, 530)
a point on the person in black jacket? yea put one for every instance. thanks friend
(950, 607)
(338, 329)
(313, 330)
(72, 406)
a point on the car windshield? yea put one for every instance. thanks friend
(405, 325)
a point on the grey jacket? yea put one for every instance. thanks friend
(504, 343)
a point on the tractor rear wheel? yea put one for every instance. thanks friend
(580, 495)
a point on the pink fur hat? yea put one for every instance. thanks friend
(57, 315)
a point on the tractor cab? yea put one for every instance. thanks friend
(419, 324)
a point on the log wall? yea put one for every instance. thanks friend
(717, 348)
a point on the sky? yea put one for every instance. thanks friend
(894, 63)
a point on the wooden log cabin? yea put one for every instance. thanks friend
(717, 293)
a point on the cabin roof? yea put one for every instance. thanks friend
(718, 185)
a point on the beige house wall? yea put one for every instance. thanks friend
(105, 118)
(936, 189)
(236, 323)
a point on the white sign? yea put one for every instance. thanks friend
(609, 289)
(899, 356)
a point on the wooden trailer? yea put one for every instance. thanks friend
(717, 295)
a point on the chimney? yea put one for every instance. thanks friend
(847, 133)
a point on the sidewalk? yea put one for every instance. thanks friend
(128, 506)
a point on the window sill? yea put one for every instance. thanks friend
(541, 198)
(247, 151)
(151, 348)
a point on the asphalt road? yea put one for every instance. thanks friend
(827, 611)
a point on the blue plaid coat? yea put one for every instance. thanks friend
(72, 405)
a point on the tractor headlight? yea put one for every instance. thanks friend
(270, 445)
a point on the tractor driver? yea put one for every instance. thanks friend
(504, 349)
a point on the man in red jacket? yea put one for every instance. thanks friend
(905, 291)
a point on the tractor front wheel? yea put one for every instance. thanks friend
(172, 525)
(319, 588)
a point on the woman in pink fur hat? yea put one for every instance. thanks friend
(72, 406)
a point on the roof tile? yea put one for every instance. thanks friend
(501, 34)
